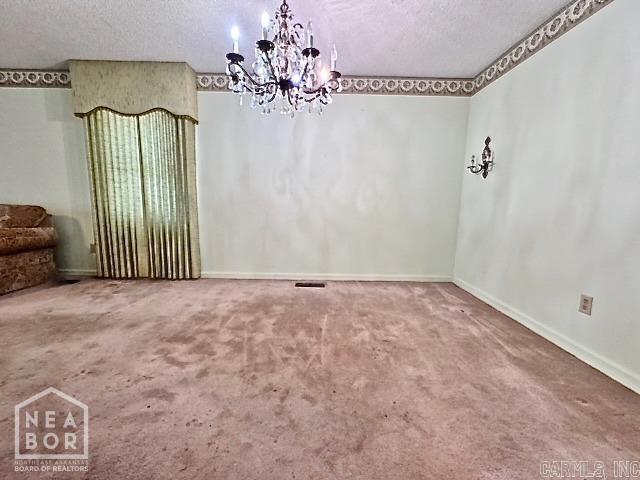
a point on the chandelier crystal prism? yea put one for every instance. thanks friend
(288, 70)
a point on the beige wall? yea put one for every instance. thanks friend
(369, 190)
(560, 214)
(42, 162)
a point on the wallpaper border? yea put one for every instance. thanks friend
(563, 21)
(35, 79)
(560, 23)
(371, 85)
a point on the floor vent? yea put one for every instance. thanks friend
(309, 285)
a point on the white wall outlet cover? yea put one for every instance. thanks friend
(586, 304)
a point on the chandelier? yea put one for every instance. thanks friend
(287, 72)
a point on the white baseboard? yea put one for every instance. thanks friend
(75, 272)
(617, 372)
(327, 277)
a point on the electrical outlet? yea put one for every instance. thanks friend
(92, 248)
(586, 304)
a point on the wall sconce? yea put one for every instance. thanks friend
(486, 165)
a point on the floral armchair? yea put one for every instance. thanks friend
(27, 239)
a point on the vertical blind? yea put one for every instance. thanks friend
(142, 170)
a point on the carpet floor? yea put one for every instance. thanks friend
(216, 379)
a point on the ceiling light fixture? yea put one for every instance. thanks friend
(284, 70)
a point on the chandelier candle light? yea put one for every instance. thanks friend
(284, 70)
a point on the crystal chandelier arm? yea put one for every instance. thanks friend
(274, 94)
(303, 77)
(297, 29)
(322, 90)
(319, 93)
(250, 77)
(333, 83)
(273, 70)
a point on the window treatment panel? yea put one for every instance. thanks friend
(143, 181)
(116, 184)
(168, 166)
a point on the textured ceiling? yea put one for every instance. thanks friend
(415, 38)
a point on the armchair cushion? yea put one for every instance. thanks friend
(16, 240)
(22, 216)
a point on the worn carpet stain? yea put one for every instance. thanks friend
(214, 379)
